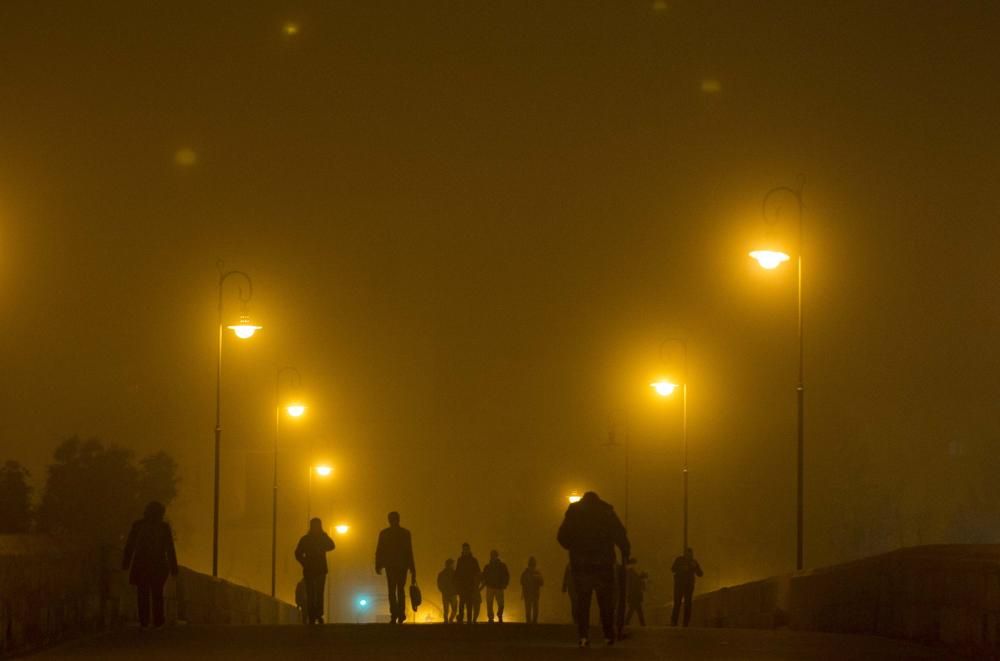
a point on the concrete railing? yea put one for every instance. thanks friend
(49, 595)
(946, 594)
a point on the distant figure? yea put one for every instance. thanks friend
(635, 580)
(311, 553)
(496, 578)
(685, 569)
(394, 553)
(302, 600)
(150, 557)
(569, 589)
(590, 531)
(531, 590)
(467, 577)
(449, 593)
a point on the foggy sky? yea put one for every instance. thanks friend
(471, 225)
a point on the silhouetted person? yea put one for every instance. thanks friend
(569, 588)
(635, 581)
(496, 578)
(150, 557)
(394, 553)
(449, 593)
(590, 531)
(685, 569)
(467, 577)
(311, 553)
(531, 590)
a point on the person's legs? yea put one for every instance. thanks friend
(142, 595)
(500, 602)
(678, 592)
(628, 615)
(605, 587)
(584, 589)
(642, 615)
(401, 595)
(314, 597)
(463, 606)
(156, 592)
(688, 594)
(533, 610)
(397, 606)
(490, 596)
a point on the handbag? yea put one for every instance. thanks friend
(415, 597)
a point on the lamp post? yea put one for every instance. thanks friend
(666, 389)
(772, 259)
(613, 443)
(243, 330)
(295, 410)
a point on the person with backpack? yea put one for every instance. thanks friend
(311, 554)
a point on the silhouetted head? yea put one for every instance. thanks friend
(154, 511)
(494, 555)
(449, 563)
(532, 563)
(590, 498)
(466, 549)
(315, 524)
(689, 552)
(393, 519)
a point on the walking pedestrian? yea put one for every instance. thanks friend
(590, 532)
(149, 558)
(531, 589)
(496, 578)
(311, 553)
(394, 553)
(685, 569)
(467, 581)
(449, 593)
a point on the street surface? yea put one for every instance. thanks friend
(509, 641)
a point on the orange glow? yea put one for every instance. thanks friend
(663, 388)
(769, 259)
(295, 410)
(323, 470)
(244, 330)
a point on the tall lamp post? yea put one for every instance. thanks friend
(772, 259)
(665, 388)
(243, 330)
(295, 410)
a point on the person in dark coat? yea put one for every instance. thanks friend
(496, 578)
(685, 569)
(467, 581)
(590, 532)
(149, 558)
(449, 593)
(311, 553)
(531, 590)
(635, 580)
(394, 554)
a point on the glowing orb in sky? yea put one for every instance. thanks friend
(290, 28)
(185, 157)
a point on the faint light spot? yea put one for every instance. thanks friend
(711, 86)
(290, 28)
(660, 5)
(185, 157)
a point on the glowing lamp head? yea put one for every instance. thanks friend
(574, 498)
(244, 330)
(295, 410)
(342, 528)
(769, 259)
(664, 388)
(323, 470)
(362, 602)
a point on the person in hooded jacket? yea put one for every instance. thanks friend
(590, 531)
(149, 558)
(311, 553)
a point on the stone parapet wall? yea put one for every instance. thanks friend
(48, 595)
(943, 594)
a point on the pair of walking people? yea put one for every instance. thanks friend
(460, 585)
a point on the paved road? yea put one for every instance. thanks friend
(487, 642)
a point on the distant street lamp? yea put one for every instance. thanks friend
(665, 388)
(771, 259)
(574, 497)
(342, 528)
(295, 411)
(243, 330)
(322, 470)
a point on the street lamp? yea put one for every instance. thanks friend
(295, 411)
(770, 259)
(322, 470)
(574, 497)
(342, 528)
(666, 388)
(243, 330)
